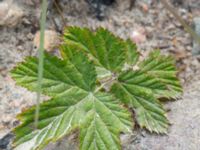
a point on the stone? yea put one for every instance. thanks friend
(51, 40)
(10, 14)
(5, 142)
(138, 36)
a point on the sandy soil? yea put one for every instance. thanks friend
(161, 31)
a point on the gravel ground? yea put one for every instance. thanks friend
(159, 29)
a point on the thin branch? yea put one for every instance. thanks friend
(41, 59)
(183, 23)
(60, 12)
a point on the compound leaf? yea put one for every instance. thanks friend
(71, 85)
(77, 102)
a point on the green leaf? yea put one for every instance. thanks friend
(50, 110)
(71, 84)
(102, 126)
(90, 90)
(59, 76)
(107, 50)
(102, 73)
(155, 78)
(81, 37)
(132, 53)
(134, 89)
(144, 81)
(95, 134)
(62, 115)
(163, 69)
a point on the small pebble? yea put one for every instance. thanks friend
(138, 36)
(50, 42)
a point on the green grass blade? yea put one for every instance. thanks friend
(41, 59)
